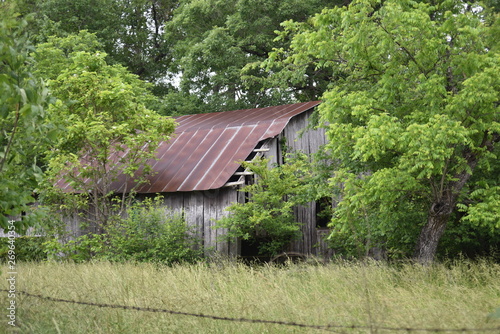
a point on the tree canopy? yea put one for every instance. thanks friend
(195, 52)
(109, 131)
(25, 131)
(130, 31)
(213, 41)
(412, 118)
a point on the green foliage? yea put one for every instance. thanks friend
(411, 114)
(27, 248)
(214, 40)
(484, 210)
(178, 103)
(81, 249)
(56, 54)
(109, 131)
(203, 43)
(130, 31)
(369, 217)
(467, 240)
(473, 230)
(267, 219)
(25, 129)
(72, 16)
(150, 233)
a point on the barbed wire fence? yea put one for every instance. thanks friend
(327, 327)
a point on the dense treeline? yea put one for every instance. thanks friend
(193, 52)
(411, 93)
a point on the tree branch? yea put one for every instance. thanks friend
(408, 53)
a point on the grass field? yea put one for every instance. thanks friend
(367, 296)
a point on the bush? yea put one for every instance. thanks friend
(267, 219)
(84, 248)
(150, 233)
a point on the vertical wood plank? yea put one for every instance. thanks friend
(228, 248)
(274, 152)
(210, 212)
(308, 142)
(193, 213)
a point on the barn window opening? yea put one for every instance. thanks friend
(249, 249)
(237, 175)
(324, 209)
(243, 176)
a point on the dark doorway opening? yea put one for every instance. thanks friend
(250, 252)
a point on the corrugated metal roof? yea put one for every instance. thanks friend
(206, 148)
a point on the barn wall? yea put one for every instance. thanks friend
(73, 226)
(297, 137)
(201, 209)
(78, 224)
(300, 138)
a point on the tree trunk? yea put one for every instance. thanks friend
(444, 204)
(431, 233)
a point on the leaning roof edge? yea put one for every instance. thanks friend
(206, 148)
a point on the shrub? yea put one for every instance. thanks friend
(267, 219)
(152, 233)
(84, 248)
(149, 233)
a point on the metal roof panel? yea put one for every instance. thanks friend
(206, 148)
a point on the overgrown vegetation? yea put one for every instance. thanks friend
(410, 93)
(24, 132)
(369, 295)
(267, 218)
(28, 248)
(149, 233)
(412, 116)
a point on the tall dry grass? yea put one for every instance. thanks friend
(373, 295)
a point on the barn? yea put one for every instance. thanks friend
(199, 174)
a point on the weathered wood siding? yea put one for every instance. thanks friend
(298, 137)
(201, 209)
(76, 225)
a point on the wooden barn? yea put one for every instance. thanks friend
(199, 175)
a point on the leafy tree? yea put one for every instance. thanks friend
(25, 131)
(130, 31)
(56, 55)
(110, 134)
(413, 116)
(207, 44)
(267, 219)
(214, 40)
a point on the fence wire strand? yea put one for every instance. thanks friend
(329, 327)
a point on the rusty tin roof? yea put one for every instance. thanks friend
(206, 148)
